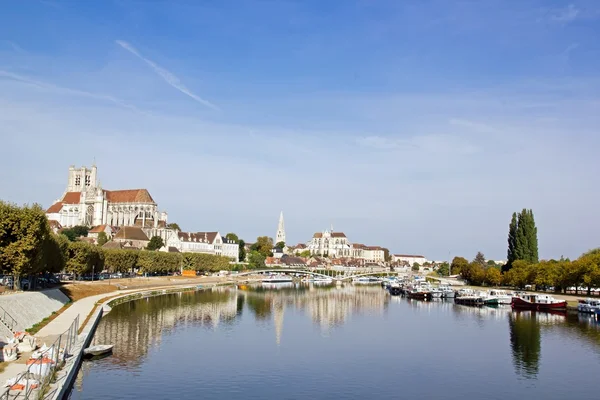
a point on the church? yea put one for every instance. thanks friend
(85, 202)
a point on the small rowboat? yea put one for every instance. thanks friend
(98, 349)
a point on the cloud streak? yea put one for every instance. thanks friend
(166, 75)
(61, 89)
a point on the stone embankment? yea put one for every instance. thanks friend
(29, 308)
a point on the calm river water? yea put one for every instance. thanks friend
(350, 342)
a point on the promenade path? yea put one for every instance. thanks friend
(83, 308)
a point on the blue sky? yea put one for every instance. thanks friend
(416, 125)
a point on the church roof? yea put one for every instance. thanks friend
(72, 198)
(131, 233)
(197, 236)
(318, 235)
(98, 229)
(54, 208)
(338, 234)
(129, 196)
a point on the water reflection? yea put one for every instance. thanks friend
(525, 342)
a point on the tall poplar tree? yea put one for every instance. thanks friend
(522, 239)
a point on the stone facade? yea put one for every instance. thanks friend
(203, 242)
(329, 243)
(410, 259)
(85, 203)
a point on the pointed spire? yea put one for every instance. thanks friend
(280, 235)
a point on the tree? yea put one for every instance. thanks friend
(386, 255)
(512, 241)
(280, 245)
(232, 236)
(443, 269)
(264, 245)
(81, 258)
(173, 225)
(256, 259)
(458, 264)
(155, 243)
(120, 260)
(493, 276)
(522, 239)
(56, 249)
(479, 259)
(305, 253)
(102, 238)
(23, 235)
(491, 263)
(241, 250)
(415, 267)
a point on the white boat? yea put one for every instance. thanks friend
(277, 279)
(366, 280)
(447, 292)
(588, 306)
(98, 349)
(502, 296)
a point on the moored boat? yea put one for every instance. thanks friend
(502, 296)
(588, 306)
(98, 350)
(538, 302)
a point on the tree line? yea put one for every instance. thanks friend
(28, 247)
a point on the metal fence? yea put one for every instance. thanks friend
(42, 367)
(7, 319)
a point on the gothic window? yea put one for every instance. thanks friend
(77, 181)
(87, 180)
(89, 217)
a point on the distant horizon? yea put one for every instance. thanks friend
(416, 126)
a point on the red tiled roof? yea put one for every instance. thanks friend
(72, 198)
(318, 235)
(98, 229)
(338, 234)
(407, 255)
(197, 236)
(131, 233)
(54, 208)
(129, 196)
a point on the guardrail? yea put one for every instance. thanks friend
(7, 320)
(42, 367)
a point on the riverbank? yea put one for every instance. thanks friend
(89, 310)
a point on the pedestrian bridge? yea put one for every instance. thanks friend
(335, 275)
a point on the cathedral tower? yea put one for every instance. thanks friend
(280, 236)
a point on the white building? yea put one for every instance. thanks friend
(203, 242)
(329, 243)
(410, 259)
(84, 202)
(280, 235)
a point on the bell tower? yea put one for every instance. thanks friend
(280, 235)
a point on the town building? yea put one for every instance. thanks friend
(329, 243)
(410, 259)
(85, 202)
(131, 236)
(203, 242)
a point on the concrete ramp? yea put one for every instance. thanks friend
(29, 308)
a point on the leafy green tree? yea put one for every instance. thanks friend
(264, 245)
(491, 263)
(280, 245)
(120, 260)
(23, 234)
(155, 243)
(479, 259)
(458, 264)
(56, 249)
(80, 230)
(493, 276)
(69, 234)
(305, 253)
(242, 250)
(232, 236)
(81, 258)
(415, 267)
(256, 259)
(443, 269)
(102, 238)
(173, 225)
(512, 242)
(386, 255)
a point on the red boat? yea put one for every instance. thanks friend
(538, 302)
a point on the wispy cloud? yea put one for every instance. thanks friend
(76, 92)
(166, 75)
(565, 15)
(14, 46)
(428, 144)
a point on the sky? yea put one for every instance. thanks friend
(417, 125)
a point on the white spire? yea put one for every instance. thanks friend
(280, 235)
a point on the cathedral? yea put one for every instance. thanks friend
(84, 202)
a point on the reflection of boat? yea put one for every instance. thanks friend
(277, 279)
(98, 350)
(366, 280)
(539, 302)
(502, 296)
(588, 306)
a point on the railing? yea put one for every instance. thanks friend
(41, 370)
(7, 319)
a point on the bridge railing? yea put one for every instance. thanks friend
(8, 320)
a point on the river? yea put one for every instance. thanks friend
(350, 342)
